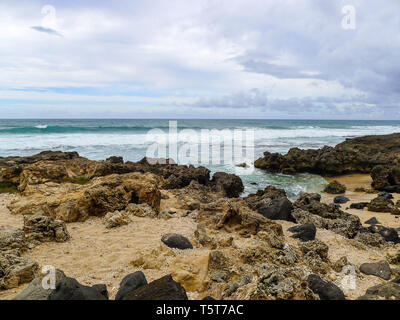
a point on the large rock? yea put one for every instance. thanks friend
(130, 283)
(229, 185)
(44, 229)
(353, 155)
(177, 241)
(35, 290)
(389, 234)
(385, 176)
(304, 232)
(12, 240)
(71, 202)
(335, 187)
(15, 270)
(326, 290)
(388, 291)
(278, 209)
(164, 288)
(379, 269)
(70, 289)
(381, 204)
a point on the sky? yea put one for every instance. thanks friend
(287, 59)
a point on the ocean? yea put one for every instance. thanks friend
(99, 139)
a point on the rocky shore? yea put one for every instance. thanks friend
(157, 230)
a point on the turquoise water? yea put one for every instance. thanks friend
(99, 139)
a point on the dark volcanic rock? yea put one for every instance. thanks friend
(164, 288)
(372, 221)
(130, 283)
(385, 176)
(304, 232)
(70, 289)
(325, 289)
(177, 241)
(335, 187)
(359, 205)
(379, 269)
(388, 290)
(341, 199)
(229, 185)
(353, 155)
(393, 189)
(278, 209)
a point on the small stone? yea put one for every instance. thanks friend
(325, 289)
(174, 240)
(341, 199)
(372, 221)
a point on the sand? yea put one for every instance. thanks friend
(99, 255)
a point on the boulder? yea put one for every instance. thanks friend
(380, 269)
(355, 155)
(72, 202)
(177, 241)
(70, 289)
(164, 288)
(385, 176)
(341, 199)
(12, 240)
(229, 185)
(130, 283)
(359, 205)
(278, 209)
(35, 290)
(335, 187)
(304, 232)
(381, 204)
(388, 290)
(42, 228)
(389, 234)
(326, 290)
(15, 270)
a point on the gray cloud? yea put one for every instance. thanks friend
(47, 30)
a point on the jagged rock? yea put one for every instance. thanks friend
(392, 189)
(326, 290)
(304, 232)
(389, 234)
(130, 283)
(177, 241)
(381, 204)
(309, 209)
(15, 270)
(116, 219)
(380, 269)
(356, 155)
(359, 205)
(164, 288)
(70, 289)
(71, 202)
(335, 187)
(141, 210)
(288, 256)
(278, 209)
(372, 221)
(385, 176)
(339, 264)
(388, 290)
(229, 185)
(340, 199)
(12, 240)
(42, 228)
(317, 246)
(394, 258)
(203, 238)
(35, 290)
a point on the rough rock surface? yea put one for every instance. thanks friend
(164, 288)
(116, 219)
(326, 290)
(35, 290)
(229, 185)
(388, 291)
(15, 270)
(12, 240)
(70, 289)
(381, 204)
(384, 176)
(335, 187)
(70, 202)
(356, 155)
(44, 229)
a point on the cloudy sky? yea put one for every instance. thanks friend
(200, 59)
